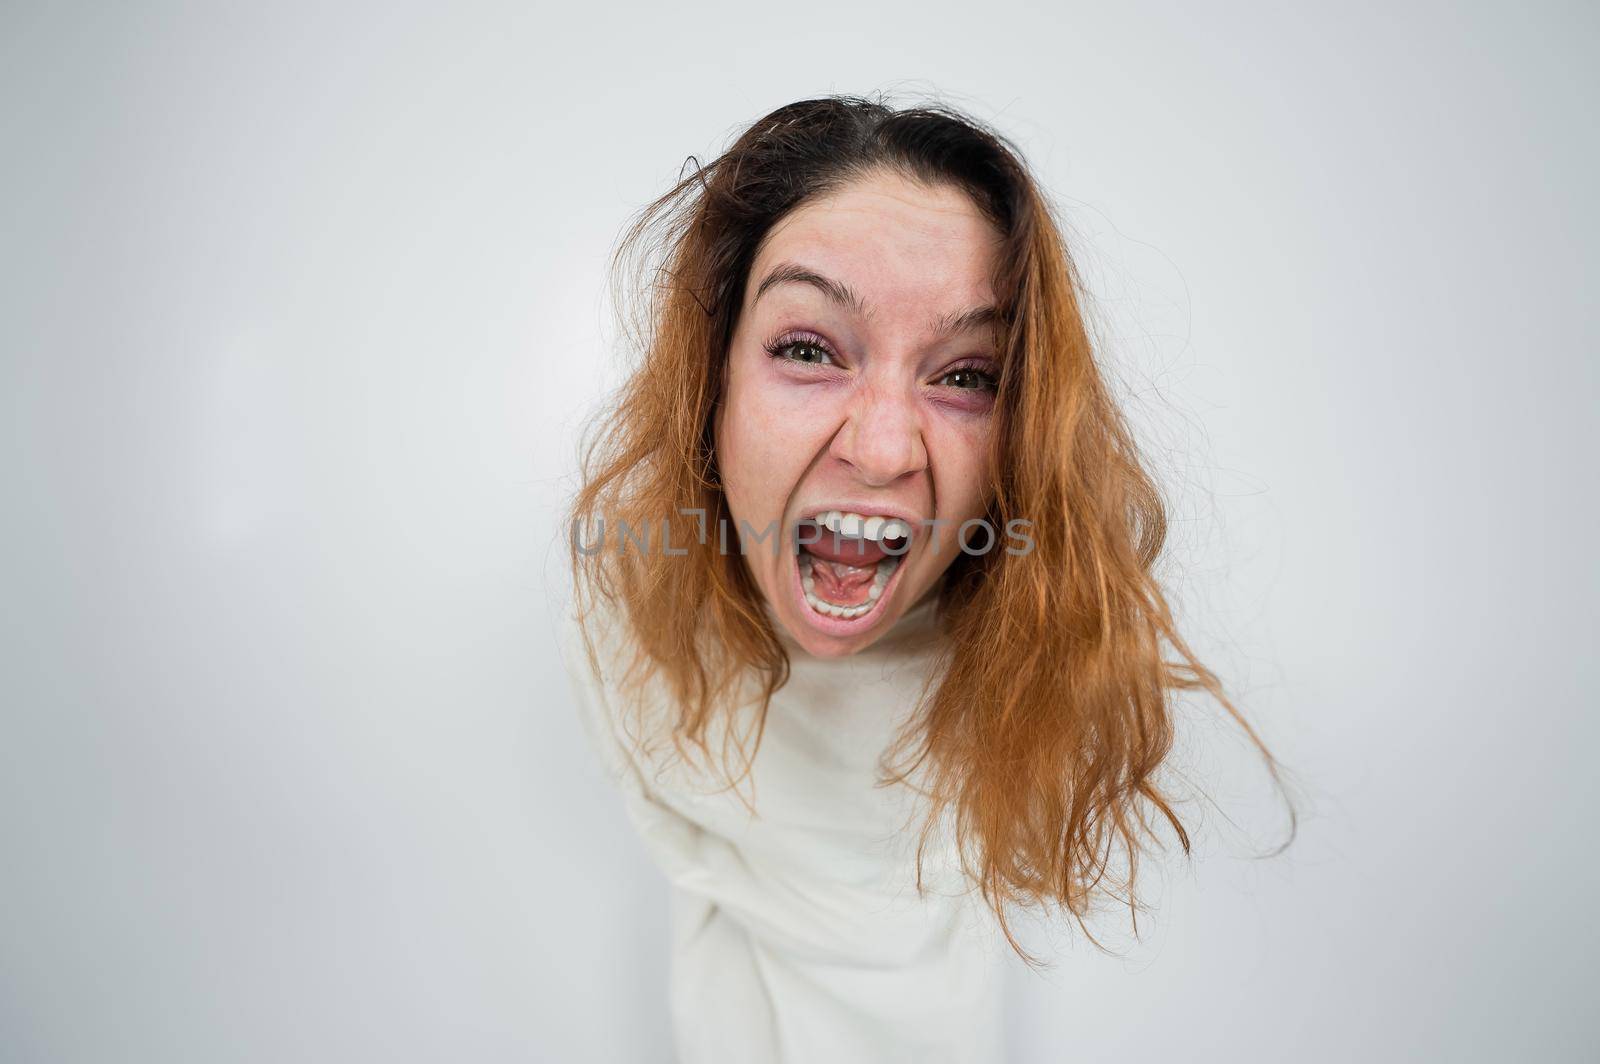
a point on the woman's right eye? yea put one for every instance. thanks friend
(803, 350)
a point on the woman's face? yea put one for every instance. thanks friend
(860, 380)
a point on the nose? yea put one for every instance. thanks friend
(881, 438)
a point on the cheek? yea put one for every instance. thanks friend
(959, 455)
(762, 449)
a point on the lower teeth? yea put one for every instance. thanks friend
(886, 569)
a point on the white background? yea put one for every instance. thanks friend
(302, 307)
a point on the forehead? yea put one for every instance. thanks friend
(903, 247)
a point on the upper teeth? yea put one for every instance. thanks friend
(873, 527)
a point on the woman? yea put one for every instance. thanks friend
(864, 562)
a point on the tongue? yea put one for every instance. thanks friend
(840, 582)
(847, 549)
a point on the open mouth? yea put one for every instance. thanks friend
(846, 567)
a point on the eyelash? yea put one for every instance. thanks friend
(777, 347)
(786, 342)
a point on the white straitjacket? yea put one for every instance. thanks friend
(798, 934)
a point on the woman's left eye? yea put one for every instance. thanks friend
(970, 378)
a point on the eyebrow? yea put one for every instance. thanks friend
(844, 296)
(952, 324)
